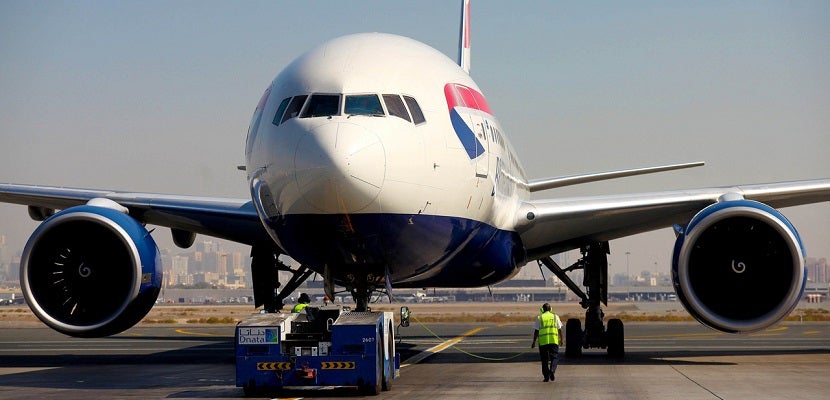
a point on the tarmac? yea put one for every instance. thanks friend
(488, 360)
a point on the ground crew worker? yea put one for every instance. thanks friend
(548, 329)
(302, 302)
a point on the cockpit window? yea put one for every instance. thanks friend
(395, 106)
(281, 110)
(322, 105)
(294, 108)
(415, 109)
(363, 104)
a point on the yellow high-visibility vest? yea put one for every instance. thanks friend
(548, 328)
(299, 307)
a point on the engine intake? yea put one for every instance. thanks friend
(739, 266)
(90, 271)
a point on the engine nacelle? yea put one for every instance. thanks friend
(91, 271)
(739, 266)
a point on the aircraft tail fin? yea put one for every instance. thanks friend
(464, 37)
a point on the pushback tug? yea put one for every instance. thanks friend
(323, 346)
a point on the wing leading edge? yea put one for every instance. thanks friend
(231, 219)
(552, 226)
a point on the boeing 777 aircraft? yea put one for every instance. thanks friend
(376, 161)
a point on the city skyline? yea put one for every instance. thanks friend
(195, 265)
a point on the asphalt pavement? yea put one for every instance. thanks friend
(446, 361)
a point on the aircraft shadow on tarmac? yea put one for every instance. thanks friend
(221, 353)
(450, 356)
(215, 359)
(153, 371)
(227, 340)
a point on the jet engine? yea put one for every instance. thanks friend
(738, 266)
(91, 271)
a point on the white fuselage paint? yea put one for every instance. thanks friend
(359, 164)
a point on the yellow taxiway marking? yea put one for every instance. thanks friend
(440, 347)
(770, 332)
(22, 370)
(812, 332)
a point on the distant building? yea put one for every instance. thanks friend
(206, 277)
(196, 263)
(237, 261)
(817, 270)
(179, 265)
(221, 263)
(178, 271)
(4, 257)
(208, 247)
(620, 280)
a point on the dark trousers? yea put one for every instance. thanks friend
(550, 358)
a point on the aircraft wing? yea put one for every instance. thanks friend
(231, 219)
(552, 226)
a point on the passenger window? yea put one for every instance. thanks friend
(417, 115)
(395, 106)
(294, 108)
(281, 110)
(322, 105)
(363, 104)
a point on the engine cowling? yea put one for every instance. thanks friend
(739, 266)
(91, 271)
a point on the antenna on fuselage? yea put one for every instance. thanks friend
(464, 37)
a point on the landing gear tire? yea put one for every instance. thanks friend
(573, 338)
(616, 336)
(376, 389)
(367, 388)
(388, 374)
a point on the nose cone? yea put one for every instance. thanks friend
(340, 167)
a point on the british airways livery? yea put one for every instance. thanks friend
(376, 161)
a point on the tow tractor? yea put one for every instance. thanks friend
(321, 347)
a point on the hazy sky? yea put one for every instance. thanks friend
(156, 96)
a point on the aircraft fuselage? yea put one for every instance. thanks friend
(374, 152)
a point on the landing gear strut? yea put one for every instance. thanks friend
(265, 268)
(594, 263)
(361, 286)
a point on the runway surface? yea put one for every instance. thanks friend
(487, 361)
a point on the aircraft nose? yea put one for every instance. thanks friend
(340, 167)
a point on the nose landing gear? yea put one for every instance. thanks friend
(361, 285)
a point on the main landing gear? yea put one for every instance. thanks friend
(594, 263)
(265, 268)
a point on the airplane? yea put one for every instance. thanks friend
(376, 161)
